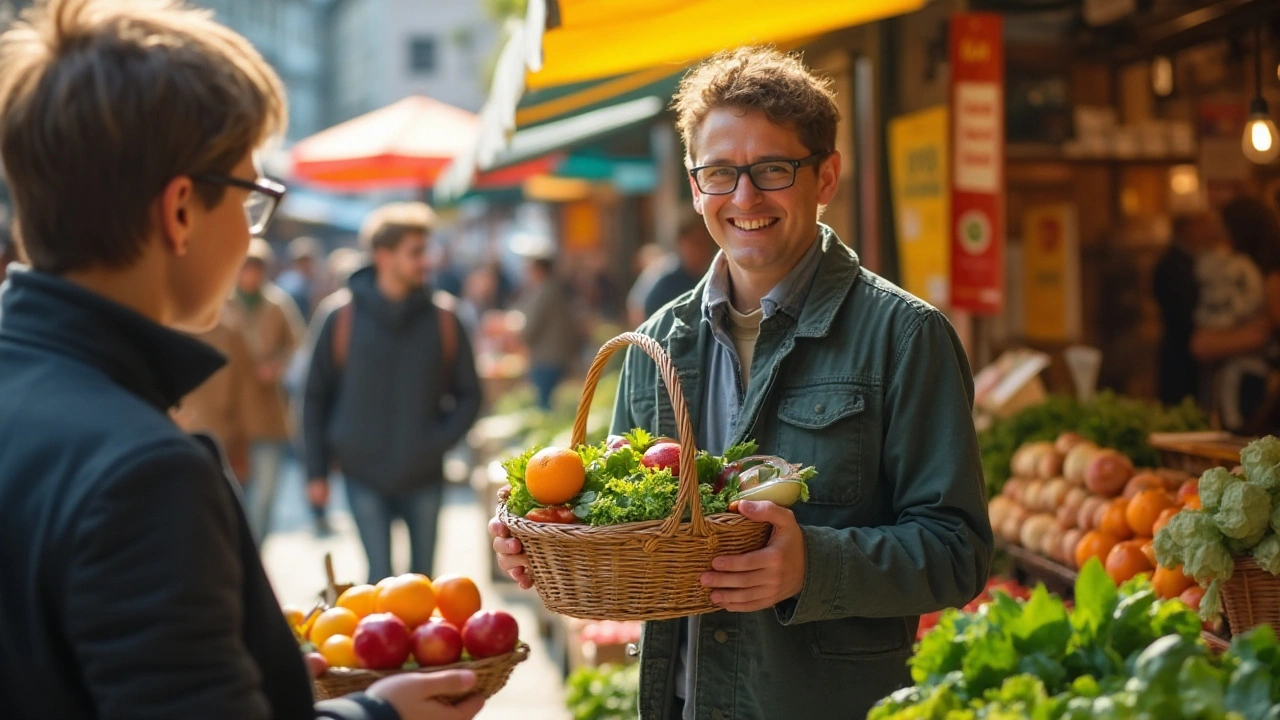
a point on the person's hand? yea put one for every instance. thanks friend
(757, 580)
(318, 492)
(413, 695)
(511, 557)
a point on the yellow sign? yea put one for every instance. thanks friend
(1051, 273)
(918, 163)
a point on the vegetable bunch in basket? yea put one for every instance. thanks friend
(634, 478)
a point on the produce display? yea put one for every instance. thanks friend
(1107, 420)
(608, 692)
(1238, 515)
(405, 622)
(1069, 500)
(1009, 587)
(1118, 653)
(633, 478)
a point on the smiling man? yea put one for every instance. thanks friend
(789, 341)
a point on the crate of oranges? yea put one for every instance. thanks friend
(407, 623)
(623, 530)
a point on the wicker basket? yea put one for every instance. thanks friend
(1251, 597)
(491, 675)
(635, 571)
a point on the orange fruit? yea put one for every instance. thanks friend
(1144, 509)
(457, 598)
(360, 599)
(1114, 521)
(1192, 501)
(410, 597)
(340, 651)
(334, 621)
(1187, 489)
(1192, 596)
(1170, 583)
(1164, 519)
(1142, 482)
(555, 475)
(1148, 548)
(293, 615)
(1126, 560)
(1095, 543)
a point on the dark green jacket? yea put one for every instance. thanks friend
(872, 387)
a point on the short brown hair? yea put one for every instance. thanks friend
(764, 79)
(387, 226)
(104, 102)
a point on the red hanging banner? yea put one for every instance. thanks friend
(977, 187)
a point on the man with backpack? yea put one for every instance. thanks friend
(391, 387)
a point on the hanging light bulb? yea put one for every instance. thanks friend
(1261, 142)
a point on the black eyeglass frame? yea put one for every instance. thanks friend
(813, 159)
(272, 189)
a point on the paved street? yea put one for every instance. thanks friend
(295, 561)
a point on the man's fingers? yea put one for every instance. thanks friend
(745, 607)
(762, 559)
(464, 710)
(765, 511)
(507, 547)
(755, 596)
(734, 579)
(498, 530)
(449, 682)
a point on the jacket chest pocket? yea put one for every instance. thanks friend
(824, 426)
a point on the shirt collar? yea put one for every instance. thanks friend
(787, 296)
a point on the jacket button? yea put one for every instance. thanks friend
(819, 408)
(721, 637)
(718, 714)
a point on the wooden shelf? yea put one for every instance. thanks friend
(1034, 568)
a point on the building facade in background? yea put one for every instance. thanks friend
(385, 50)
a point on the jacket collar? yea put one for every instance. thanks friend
(838, 270)
(151, 361)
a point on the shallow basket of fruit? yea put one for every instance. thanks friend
(407, 623)
(624, 529)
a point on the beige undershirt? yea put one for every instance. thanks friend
(745, 329)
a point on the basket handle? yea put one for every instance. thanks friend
(688, 494)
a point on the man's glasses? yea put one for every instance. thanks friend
(765, 175)
(260, 206)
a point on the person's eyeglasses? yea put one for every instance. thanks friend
(765, 175)
(264, 197)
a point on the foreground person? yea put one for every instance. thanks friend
(130, 586)
(788, 340)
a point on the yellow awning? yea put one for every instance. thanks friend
(602, 38)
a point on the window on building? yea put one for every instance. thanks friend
(422, 55)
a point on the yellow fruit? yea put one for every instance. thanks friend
(293, 615)
(554, 475)
(410, 597)
(361, 600)
(334, 621)
(339, 651)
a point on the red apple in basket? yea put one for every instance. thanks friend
(437, 643)
(663, 456)
(489, 633)
(381, 642)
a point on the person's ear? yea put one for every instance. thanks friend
(697, 195)
(177, 214)
(828, 178)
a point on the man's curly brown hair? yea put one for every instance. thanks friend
(759, 78)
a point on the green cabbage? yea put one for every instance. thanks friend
(1261, 461)
(1244, 511)
(1267, 554)
(1212, 486)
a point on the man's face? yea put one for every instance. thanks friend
(200, 279)
(252, 275)
(408, 261)
(761, 232)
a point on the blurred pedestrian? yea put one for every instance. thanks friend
(220, 406)
(273, 330)
(549, 327)
(695, 250)
(652, 261)
(129, 580)
(301, 279)
(1177, 293)
(391, 386)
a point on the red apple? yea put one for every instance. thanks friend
(489, 633)
(316, 664)
(663, 456)
(437, 643)
(381, 642)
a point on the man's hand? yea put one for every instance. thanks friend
(318, 492)
(511, 557)
(413, 695)
(757, 580)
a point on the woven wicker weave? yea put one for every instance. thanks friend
(491, 675)
(635, 571)
(1251, 597)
